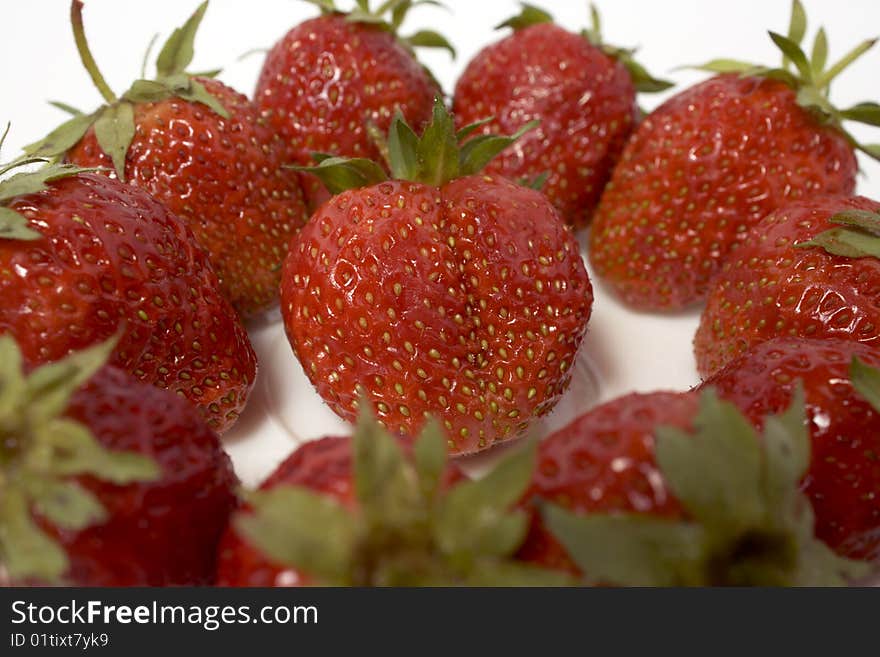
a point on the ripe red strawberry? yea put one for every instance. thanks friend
(84, 255)
(790, 278)
(712, 161)
(323, 466)
(332, 79)
(665, 489)
(843, 482)
(441, 292)
(604, 462)
(105, 481)
(376, 511)
(203, 149)
(582, 91)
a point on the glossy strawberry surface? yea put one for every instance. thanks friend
(769, 287)
(224, 177)
(698, 173)
(466, 302)
(584, 99)
(159, 533)
(843, 482)
(112, 257)
(328, 80)
(604, 462)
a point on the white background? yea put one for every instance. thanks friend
(625, 350)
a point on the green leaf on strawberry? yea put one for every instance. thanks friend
(177, 53)
(39, 449)
(642, 79)
(114, 130)
(537, 183)
(62, 138)
(749, 522)
(405, 530)
(530, 15)
(14, 226)
(439, 155)
(341, 173)
(300, 527)
(114, 122)
(813, 78)
(31, 182)
(430, 39)
(858, 236)
(389, 16)
(866, 112)
(866, 381)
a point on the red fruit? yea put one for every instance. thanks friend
(680, 489)
(203, 149)
(770, 287)
(712, 161)
(224, 177)
(843, 482)
(467, 301)
(700, 171)
(109, 256)
(581, 91)
(329, 79)
(604, 462)
(157, 533)
(439, 293)
(375, 510)
(324, 466)
(105, 481)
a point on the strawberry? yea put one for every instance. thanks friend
(844, 423)
(576, 466)
(333, 80)
(583, 92)
(795, 275)
(323, 466)
(663, 489)
(377, 511)
(82, 255)
(202, 148)
(105, 481)
(712, 161)
(439, 292)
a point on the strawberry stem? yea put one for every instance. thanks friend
(6, 168)
(826, 78)
(147, 55)
(5, 133)
(85, 55)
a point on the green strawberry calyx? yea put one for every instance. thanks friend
(642, 80)
(114, 122)
(389, 16)
(866, 381)
(407, 529)
(40, 451)
(439, 155)
(14, 226)
(749, 523)
(812, 77)
(858, 235)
